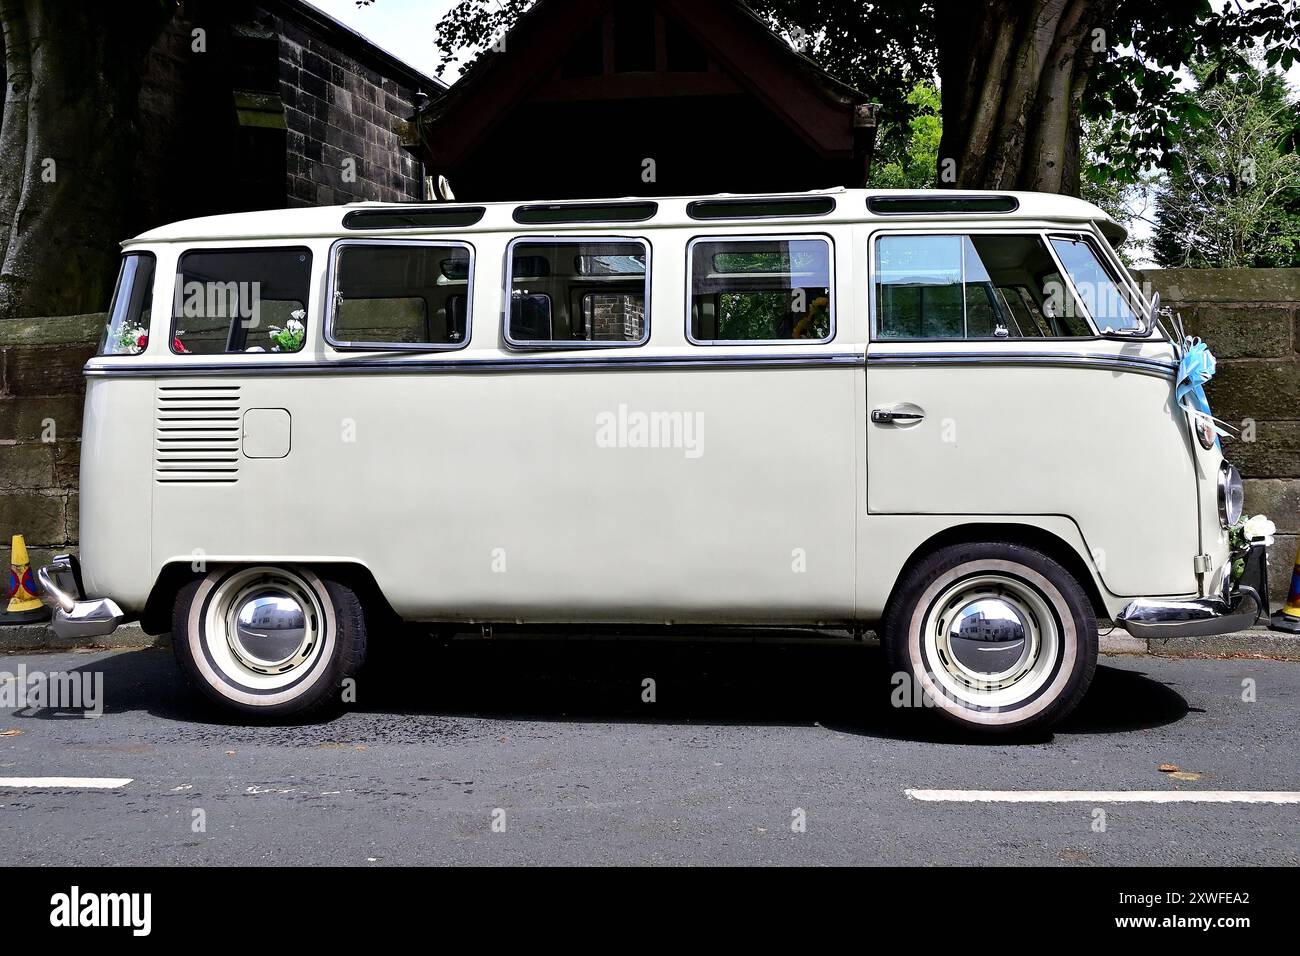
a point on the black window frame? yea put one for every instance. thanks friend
(955, 204)
(424, 217)
(761, 207)
(565, 213)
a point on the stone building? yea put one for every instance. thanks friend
(261, 104)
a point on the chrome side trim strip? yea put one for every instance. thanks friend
(400, 365)
(522, 364)
(1118, 363)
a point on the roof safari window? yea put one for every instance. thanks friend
(127, 332)
(241, 300)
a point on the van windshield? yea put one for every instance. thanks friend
(1102, 295)
(127, 332)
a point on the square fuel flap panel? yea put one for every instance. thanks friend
(266, 433)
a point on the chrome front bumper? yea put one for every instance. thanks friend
(74, 614)
(1237, 609)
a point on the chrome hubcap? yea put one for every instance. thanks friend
(988, 637)
(266, 621)
(270, 631)
(993, 640)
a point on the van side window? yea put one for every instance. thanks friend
(972, 287)
(401, 294)
(761, 289)
(127, 332)
(570, 293)
(241, 300)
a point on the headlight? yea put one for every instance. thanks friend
(1204, 432)
(1232, 495)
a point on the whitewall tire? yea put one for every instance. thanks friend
(995, 637)
(268, 640)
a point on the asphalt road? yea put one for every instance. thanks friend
(552, 738)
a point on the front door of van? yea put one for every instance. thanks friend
(988, 393)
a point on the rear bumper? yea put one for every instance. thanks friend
(74, 614)
(1236, 609)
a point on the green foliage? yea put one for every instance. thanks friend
(1126, 202)
(907, 149)
(1232, 196)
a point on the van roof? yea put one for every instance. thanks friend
(846, 205)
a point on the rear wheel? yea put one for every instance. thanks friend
(272, 641)
(994, 637)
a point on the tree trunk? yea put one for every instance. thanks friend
(69, 130)
(1013, 74)
(13, 122)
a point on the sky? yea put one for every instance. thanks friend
(402, 27)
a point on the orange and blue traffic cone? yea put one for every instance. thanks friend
(1288, 619)
(24, 606)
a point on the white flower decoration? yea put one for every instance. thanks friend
(1259, 527)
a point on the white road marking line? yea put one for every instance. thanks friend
(1105, 796)
(64, 783)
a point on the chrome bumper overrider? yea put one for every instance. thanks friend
(75, 615)
(1236, 610)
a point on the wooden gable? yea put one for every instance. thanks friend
(583, 93)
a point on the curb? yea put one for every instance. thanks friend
(16, 638)
(1257, 642)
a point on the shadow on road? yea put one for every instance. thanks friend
(797, 681)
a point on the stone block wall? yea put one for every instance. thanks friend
(41, 393)
(343, 118)
(1250, 318)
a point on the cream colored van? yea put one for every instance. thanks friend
(949, 417)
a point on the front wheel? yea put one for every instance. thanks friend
(269, 641)
(994, 637)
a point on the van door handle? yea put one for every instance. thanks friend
(896, 413)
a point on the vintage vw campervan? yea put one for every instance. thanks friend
(950, 417)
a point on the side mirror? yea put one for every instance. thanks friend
(1147, 327)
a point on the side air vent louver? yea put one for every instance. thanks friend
(197, 434)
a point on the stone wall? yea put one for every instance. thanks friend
(281, 106)
(339, 109)
(1250, 318)
(41, 393)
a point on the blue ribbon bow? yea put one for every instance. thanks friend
(1195, 368)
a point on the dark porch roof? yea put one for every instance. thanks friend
(745, 56)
